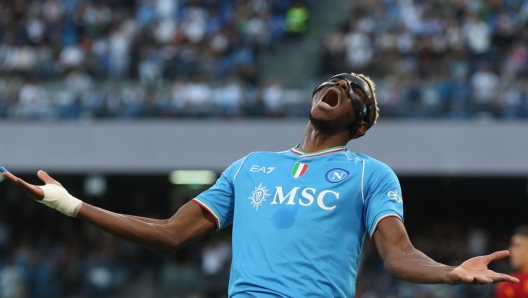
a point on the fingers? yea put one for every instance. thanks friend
(31, 190)
(494, 278)
(481, 280)
(476, 280)
(47, 178)
(499, 277)
(498, 255)
(10, 177)
(489, 278)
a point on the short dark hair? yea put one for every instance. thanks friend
(521, 230)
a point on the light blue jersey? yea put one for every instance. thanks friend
(299, 219)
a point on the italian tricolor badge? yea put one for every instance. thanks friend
(299, 169)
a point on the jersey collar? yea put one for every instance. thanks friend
(317, 153)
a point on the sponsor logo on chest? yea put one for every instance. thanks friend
(308, 196)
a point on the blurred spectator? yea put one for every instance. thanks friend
(216, 261)
(484, 84)
(133, 100)
(71, 56)
(79, 83)
(119, 50)
(165, 8)
(32, 101)
(297, 19)
(478, 242)
(359, 49)
(333, 51)
(150, 71)
(198, 101)
(510, 101)
(477, 34)
(194, 22)
(178, 95)
(11, 282)
(230, 98)
(273, 97)
(216, 256)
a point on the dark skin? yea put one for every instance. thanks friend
(191, 221)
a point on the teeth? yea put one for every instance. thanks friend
(326, 104)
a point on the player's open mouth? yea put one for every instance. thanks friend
(330, 98)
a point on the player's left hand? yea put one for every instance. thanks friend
(475, 271)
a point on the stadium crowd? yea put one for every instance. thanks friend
(91, 58)
(167, 58)
(452, 59)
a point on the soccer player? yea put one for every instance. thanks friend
(299, 216)
(519, 261)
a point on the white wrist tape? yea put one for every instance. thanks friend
(58, 198)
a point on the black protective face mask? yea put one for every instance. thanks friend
(361, 110)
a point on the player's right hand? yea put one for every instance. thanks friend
(52, 194)
(31, 190)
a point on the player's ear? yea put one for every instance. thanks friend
(362, 128)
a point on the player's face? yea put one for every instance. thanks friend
(332, 104)
(519, 252)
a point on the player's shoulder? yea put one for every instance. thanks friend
(371, 161)
(371, 164)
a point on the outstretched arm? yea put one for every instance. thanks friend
(405, 262)
(188, 224)
(167, 236)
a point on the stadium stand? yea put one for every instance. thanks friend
(167, 59)
(131, 59)
(437, 59)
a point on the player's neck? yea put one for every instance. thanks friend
(314, 140)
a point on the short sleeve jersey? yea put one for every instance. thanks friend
(299, 219)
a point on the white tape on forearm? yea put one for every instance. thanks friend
(58, 198)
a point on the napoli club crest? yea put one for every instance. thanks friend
(336, 175)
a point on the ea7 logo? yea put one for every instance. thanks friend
(393, 194)
(265, 170)
(308, 196)
(336, 175)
